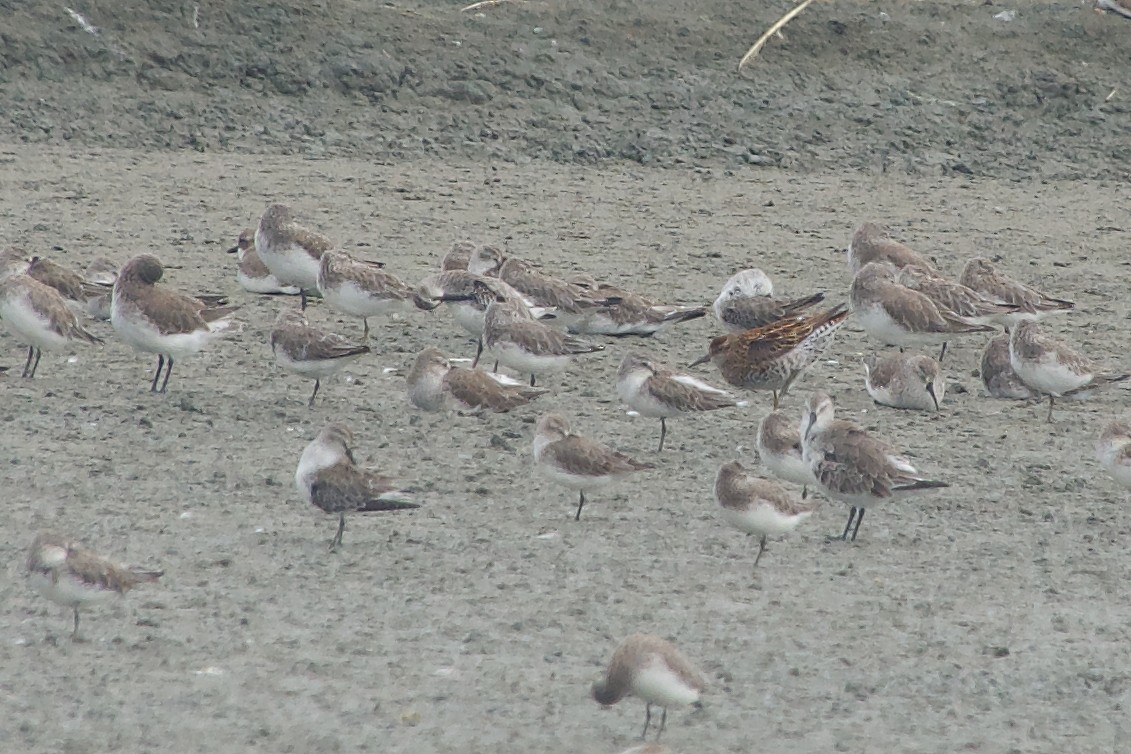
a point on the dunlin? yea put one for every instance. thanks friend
(997, 372)
(747, 301)
(623, 313)
(653, 670)
(779, 449)
(291, 252)
(73, 287)
(1052, 367)
(72, 576)
(658, 392)
(577, 462)
(895, 315)
(525, 344)
(433, 381)
(980, 275)
(458, 256)
(1114, 451)
(329, 478)
(1119, 7)
(872, 243)
(905, 381)
(310, 351)
(251, 274)
(853, 467)
(361, 289)
(101, 272)
(13, 261)
(759, 507)
(156, 319)
(39, 317)
(774, 356)
(570, 301)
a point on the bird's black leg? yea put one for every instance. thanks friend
(580, 504)
(663, 433)
(302, 298)
(168, 374)
(337, 540)
(859, 519)
(366, 333)
(942, 352)
(761, 549)
(75, 633)
(647, 719)
(1050, 408)
(531, 380)
(35, 364)
(27, 364)
(851, 516)
(478, 352)
(160, 366)
(310, 403)
(663, 722)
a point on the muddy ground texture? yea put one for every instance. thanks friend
(989, 617)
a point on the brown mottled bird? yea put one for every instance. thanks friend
(980, 275)
(70, 575)
(433, 382)
(38, 316)
(310, 351)
(329, 478)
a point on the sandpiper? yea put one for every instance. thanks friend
(997, 373)
(102, 273)
(853, 467)
(310, 351)
(75, 289)
(872, 243)
(329, 478)
(570, 301)
(433, 382)
(774, 356)
(747, 301)
(457, 256)
(779, 449)
(1052, 367)
(523, 343)
(913, 381)
(1114, 451)
(13, 261)
(980, 275)
(895, 315)
(291, 252)
(1118, 7)
(159, 320)
(623, 313)
(251, 274)
(653, 670)
(361, 289)
(578, 462)
(757, 506)
(72, 576)
(39, 317)
(656, 391)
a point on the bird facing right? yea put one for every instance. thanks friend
(756, 506)
(853, 467)
(310, 351)
(913, 381)
(654, 671)
(1113, 449)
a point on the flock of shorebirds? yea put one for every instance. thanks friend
(533, 323)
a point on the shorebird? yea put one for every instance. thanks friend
(159, 320)
(980, 275)
(738, 308)
(756, 506)
(577, 462)
(779, 449)
(654, 671)
(997, 373)
(905, 381)
(853, 467)
(872, 243)
(656, 391)
(39, 317)
(72, 576)
(329, 478)
(458, 256)
(310, 351)
(75, 289)
(13, 261)
(523, 343)
(622, 313)
(1114, 451)
(1119, 7)
(569, 301)
(1051, 367)
(251, 274)
(433, 382)
(291, 252)
(895, 315)
(774, 356)
(101, 272)
(360, 288)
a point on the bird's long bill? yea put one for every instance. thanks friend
(234, 249)
(457, 297)
(424, 303)
(701, 360)
(931, 391)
